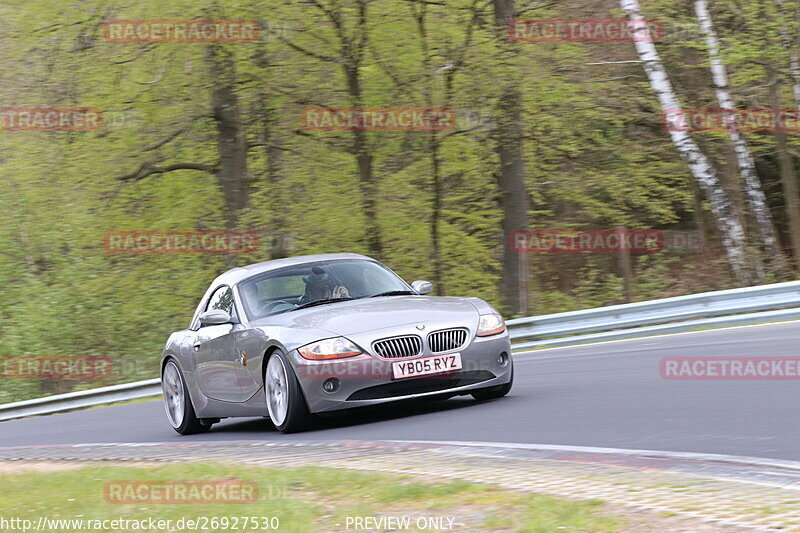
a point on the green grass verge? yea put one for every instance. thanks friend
(302, 499)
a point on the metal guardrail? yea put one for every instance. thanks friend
(735, 307)
(80, 399)
(748, 305)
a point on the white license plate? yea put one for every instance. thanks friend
(428, 365)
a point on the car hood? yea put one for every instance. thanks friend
(356, 316)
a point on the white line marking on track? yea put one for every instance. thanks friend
(737, 459)
(658, 454)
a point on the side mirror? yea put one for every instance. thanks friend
(214, 317)
(422, 287)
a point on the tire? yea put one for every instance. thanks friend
(498, 391)
(178, 404)
(286, 404)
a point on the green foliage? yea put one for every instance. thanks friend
(596, 157)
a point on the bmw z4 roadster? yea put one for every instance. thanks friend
(293, 337)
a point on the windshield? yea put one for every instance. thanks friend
(317, 283)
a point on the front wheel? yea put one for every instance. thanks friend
(287, 407)
(180, 411)
(498, 391)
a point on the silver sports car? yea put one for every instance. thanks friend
(293, 337)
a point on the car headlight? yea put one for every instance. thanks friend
(335, 348)
(491, 324)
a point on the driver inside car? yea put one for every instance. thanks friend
(320, 286)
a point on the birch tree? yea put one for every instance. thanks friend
(744, 160)
(729, 227)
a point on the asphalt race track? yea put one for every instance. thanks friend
(601, 395)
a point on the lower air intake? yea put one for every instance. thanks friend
(421, 385)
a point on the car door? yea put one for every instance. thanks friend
(218, 360)
(251, 343)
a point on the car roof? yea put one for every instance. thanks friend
(235, 275)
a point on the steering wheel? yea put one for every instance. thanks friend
(269, 306)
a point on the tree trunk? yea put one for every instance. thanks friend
(231, 138)
(420, 15)
(273, 151)
(366, 177)
(787, 172)
(730, 229)
(697, 210)
(794, 61)
(785, 161)
(369, 187)
(436, 215)
(508, 135)
(456, 59)
(350, 56)
(275, 213)
(353, 50)
(279, 239)
(747, 169)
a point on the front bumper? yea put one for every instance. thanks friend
(367, 379)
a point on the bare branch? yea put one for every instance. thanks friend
(534, 8)
(273, 146)
(147, 48)
(614, 62)
(322, 8)
(391, 72)
(613, 79)
(364, 31)
(172, 136)
(309, 53)
(303, 100)
(148, 169)
(447, 135)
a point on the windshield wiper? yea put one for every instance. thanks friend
(392, 293)
(321, 302)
